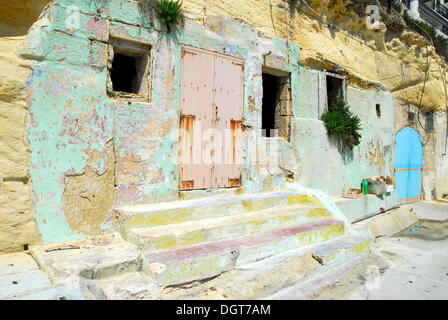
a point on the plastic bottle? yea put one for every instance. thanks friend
(365, 185)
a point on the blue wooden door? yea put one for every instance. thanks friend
(408, 165)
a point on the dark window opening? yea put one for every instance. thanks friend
(378, 111)
(124, 74)
(335, 90)
(411, 117)
(129, 69)
(429, 121)
(270, 92)
(276, 110)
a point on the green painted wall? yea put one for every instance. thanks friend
(73, 117)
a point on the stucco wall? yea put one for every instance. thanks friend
(75, 125)
(322, 163)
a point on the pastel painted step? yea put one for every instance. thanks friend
(142, 216)
(201, 261)
(234, 226)
(341, 250)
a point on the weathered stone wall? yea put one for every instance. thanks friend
(86, 143)
(17, 217)
(322, 159)
(71, 132)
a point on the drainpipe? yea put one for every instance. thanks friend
(446, 130)
(375, 214)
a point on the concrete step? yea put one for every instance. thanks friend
(340, 278)
(205, 260)
(228, 227)
(250, 281)
(341, 250)
(142, 216)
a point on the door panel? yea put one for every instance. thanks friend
(210, 148)
(408, 165)
(228, 102)
(196, 117)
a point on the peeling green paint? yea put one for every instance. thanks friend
(72, 114)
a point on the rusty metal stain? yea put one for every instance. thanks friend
(234, 182)
(187, 185)
(229, 101)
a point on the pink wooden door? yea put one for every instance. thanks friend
(196, 116)
(210, 153)
(228, 103)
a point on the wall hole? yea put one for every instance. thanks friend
(129, 68)
(335, 89)
(411, 117)
(378, 110)
(124, 74)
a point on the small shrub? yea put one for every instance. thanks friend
(170, 12)
(341, 123)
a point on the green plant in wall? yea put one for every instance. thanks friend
(170, 12)
(341, 123)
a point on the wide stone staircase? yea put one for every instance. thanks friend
(190, 240)
(250, 246)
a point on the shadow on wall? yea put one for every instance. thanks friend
(345, 152)
(17, 16)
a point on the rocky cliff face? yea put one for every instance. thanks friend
(17, 218)
(17, 16)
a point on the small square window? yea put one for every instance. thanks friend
(129, 69)
(124, 75)
(335, 88)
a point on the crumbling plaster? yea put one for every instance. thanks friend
(73, 118)
(322, 159)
